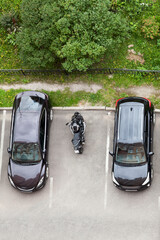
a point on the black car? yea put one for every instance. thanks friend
(133, 143)
(28, 165)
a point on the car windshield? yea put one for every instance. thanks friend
(26, 152)
(130, 154)
(29, 103)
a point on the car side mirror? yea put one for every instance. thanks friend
(151, 153)
(111, 153)
(9, 150)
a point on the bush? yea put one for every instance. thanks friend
(158, 43)
(10, 21)
(11, 38)
(150, 28)
(78, 33)
(9, 5)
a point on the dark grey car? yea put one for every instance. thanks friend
(28, 164)
(133, 144)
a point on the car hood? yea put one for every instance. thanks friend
(130, 175)
(25, 176)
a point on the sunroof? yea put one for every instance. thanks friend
(130, 122)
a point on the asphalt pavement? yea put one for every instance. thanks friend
(79, 201)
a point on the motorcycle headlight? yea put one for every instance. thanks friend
(40, 182)
(76, 151)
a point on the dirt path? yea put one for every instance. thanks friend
(141, 91)
(73, 87)
(144, 90)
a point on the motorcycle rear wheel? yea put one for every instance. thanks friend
(81, 150)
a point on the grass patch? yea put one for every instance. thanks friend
(148, 48)
(156, 101)
(64, 98)
(112, 89)
(7, 97)
(114, 80)
(104, 97)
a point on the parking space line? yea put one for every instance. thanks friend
(159, 203)
(107, 151)
(2, 139)
(50, 192)
(106, 167)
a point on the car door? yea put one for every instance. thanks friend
(11, 129)
(43, 133)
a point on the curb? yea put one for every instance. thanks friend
(80, 108)
(157, 110)
(92, 108)
(98, 108)
(5, 108)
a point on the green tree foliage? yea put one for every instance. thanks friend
(9, 5)
(78, 32)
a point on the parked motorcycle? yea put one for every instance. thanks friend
(77, 126)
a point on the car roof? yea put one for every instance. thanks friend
(130, 123)
(26, 128)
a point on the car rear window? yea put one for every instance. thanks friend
(26, 152)
(130, 154)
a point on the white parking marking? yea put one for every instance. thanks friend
(159, 203)
(50, 192)
(106, 167)
(2, 140)
(107, 151)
